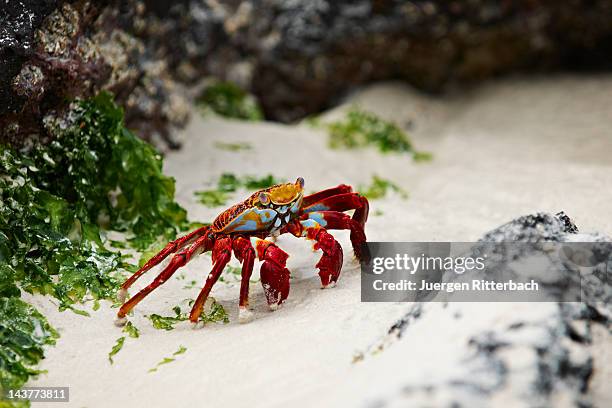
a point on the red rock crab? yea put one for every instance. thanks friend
(242, 229)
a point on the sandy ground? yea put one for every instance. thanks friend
(506, 149)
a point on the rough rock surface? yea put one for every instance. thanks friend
(52, 52)
(298, 57)
(545, 362)
(305, 53)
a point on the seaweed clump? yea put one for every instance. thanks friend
(215, 313)
(55, 201)
(361, 128)
(23, 334)
(378, 189)
(229, 100)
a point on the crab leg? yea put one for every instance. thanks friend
(245, 253)
(274, 274)
(343, 202)
(320, 195)
(334, 220)
(330, 263)
(178, 260)
(169, 249)
(221, 254)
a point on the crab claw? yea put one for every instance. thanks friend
(330, 263)
(274, 275)
(275, 281)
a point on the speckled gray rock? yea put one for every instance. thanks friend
(540, 362)
(534, 228)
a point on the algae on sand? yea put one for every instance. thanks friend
(166, 360)
(361, 128)
(379, 187)
(229, 100)
(214, 314)
(54, 201)
(24, 333)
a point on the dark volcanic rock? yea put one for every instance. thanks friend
(18, 22)
(297, 56)
(53, 52)
(305, 53)
(300, 56)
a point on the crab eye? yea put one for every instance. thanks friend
(300, 182)
(264, 198)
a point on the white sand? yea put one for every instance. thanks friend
(505, 150)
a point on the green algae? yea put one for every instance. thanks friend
(116, 348)
(229, 100)
(55, 202)
(216, 314)
(361, 128)
(166, 360)
(24, 333)
(379, 187)
(131, 330)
